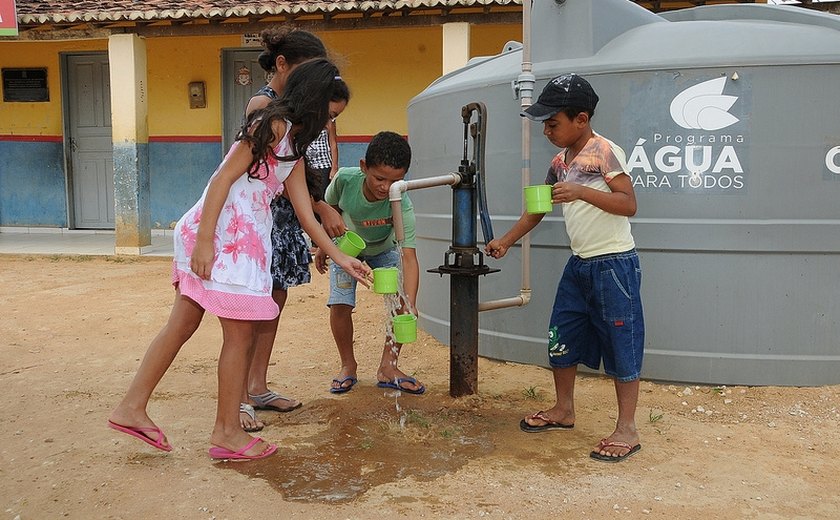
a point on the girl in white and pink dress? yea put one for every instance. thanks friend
(223, 253)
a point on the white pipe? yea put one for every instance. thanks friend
(515, 301)
(398, 188)
(526, 98)
(526, 90)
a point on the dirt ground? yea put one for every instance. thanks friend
(73, 330)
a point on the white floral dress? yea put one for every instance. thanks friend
(240, 282)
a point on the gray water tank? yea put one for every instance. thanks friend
(730, 120)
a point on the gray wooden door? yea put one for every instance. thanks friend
(88, 109)
(242, 76)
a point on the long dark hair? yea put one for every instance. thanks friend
(304, 103)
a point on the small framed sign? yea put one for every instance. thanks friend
(251, 40)
(27, 85)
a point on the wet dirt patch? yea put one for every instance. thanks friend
(337, 459)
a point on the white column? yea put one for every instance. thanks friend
(130, 137)
(129, 96)
(456, 45)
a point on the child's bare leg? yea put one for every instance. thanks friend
(341, 324)
(257, 383)
(236, 353)
(625, 427)
(184, 319)
(388, 370)
(563, 411)
(266, 332)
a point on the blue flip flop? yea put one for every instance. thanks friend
(341, 388)
(396, 384)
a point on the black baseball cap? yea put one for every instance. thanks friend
(568, 90)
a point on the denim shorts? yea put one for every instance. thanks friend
(597, 316)
(343, 286)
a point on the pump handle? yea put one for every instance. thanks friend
(478, 132)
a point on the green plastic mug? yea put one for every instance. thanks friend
(538, 199)
(405, 328)
(385, 280)
(350, 243)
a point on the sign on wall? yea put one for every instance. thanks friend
(25, 85)
(8, 18)
(251, 40)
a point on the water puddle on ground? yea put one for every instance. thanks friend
(334, 450)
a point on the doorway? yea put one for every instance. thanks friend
(87, 141)
(242, 76)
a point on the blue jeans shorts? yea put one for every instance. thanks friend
(343, 286)
(597, 316)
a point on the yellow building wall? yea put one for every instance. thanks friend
(488, 40)
(384, 68)
(173, 64)
(42, 118)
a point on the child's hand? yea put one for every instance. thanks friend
(331, 221)
(202, 258)
(321, 261)
(355, 268)
(566, 192)
(495, 249)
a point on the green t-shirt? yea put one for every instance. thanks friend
(371, 220)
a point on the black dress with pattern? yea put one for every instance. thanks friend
(290, 256)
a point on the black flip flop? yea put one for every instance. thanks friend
(607, 458)
(549, 424)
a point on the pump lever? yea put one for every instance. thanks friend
(478, 132)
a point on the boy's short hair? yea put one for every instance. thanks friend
(566, 91)
(388, 149)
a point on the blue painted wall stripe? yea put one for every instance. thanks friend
(33, 188)
(32, 184)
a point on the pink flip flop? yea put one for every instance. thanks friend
(218, 453)
(143, 435)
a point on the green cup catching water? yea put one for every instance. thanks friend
(385, 280)
(350, 243)
(538, 199)
(405, 328)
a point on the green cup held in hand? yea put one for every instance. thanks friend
(350, 243)
(538, 199)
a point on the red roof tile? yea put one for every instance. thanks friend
(80, 11)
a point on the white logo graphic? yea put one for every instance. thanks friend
(704, 107)
(832, 160)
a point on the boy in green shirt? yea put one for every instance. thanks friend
(361, 196)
